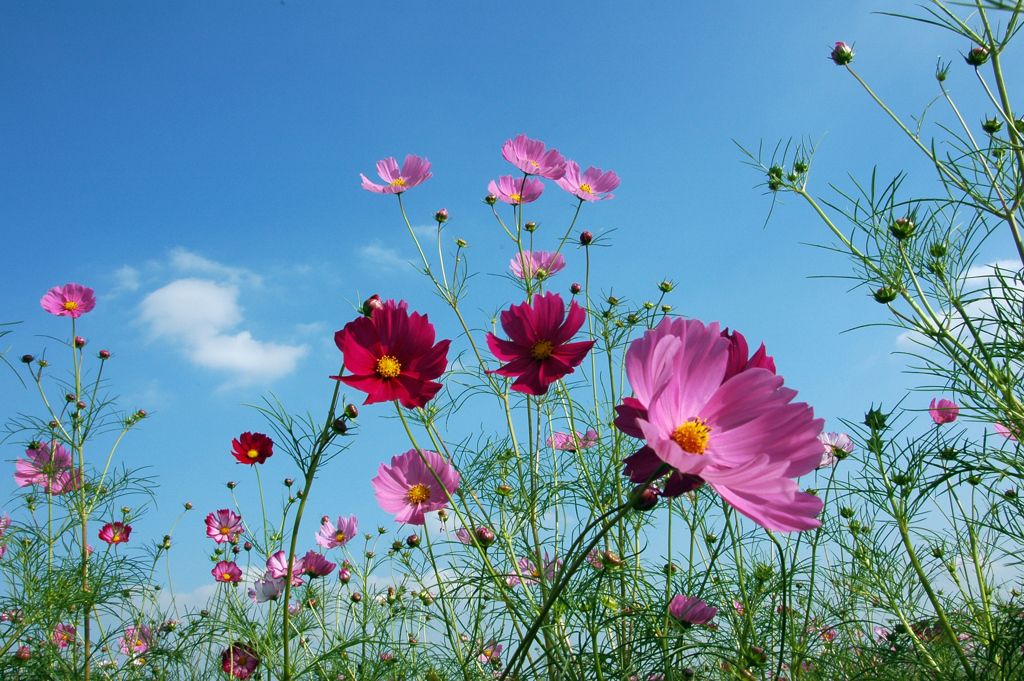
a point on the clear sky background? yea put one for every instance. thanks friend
(152, 150)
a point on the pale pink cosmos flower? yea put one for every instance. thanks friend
(266, 589)
(943, 411)
(462, 534)
(224, 526)
(491, 653)
(834, 442)
(136, 640)
(691, 609)
(531, 575)
(277, 567)
(539, 264)
(564, 441)
(69, 300)
(516, 190)
(409, 489)
(331, 537)
(50, 466)
(591, 185)
(63, 635)
(1004, 431)
(532, 157)
(594, 558)
(414, 171)
(5, 522)
(738, 606)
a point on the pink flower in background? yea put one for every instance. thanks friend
(136, 640)
(744, 437)
(539, 264)
(834, 442)
(462, 534)
(564, 441)
(538, 351)
(594, 558)
(530, 572)
(51, 469)
(531, 157)
(392, 356)
(408, 489)
(277, 567)
(491, 653)
(224, 526)
(691, 609)
(266, 589)
(414, 171)
(943, 411)
(315, 565)
(227, 572)
(740, 359)
(63, 635)
(591, 185)
(331, 537)
(5, 522)
(69, 300)
(116, 533)
(516, 190)
(239, 660)
(738, 606)
(1004, 431)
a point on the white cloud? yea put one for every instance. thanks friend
(199, 314)
(383, 259)
(127, 278)
(186, 261)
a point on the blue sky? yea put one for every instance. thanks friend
(210, 152)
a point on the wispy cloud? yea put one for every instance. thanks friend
(186, 261)
(127, 279)
(383, 259)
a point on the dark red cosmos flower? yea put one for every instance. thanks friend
(538, 351)
(392, 356)
(240, 660)
(252, 448)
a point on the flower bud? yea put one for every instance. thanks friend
(800, 167)
(188, 506)
(70, 397)
(485, 536)
(504, 490)
(1010, 494)
(27, 359)
(141, 414)
(613, 301)
(902, 228)
(666, 308)
(711, 538)
(396, 545)
(413, 540)
(344, 575)
(442, 515)
(372, 303)
(842, 54)
(846, 512)
(586, 238)
(938, 250)
(204, 613)
(530, 226)
(648, 499)
(288, 482)
(231, 484)
(54, 424)
(977, 56)
(992, 125)
(234, 549)
(973, 480)
(886, 294)
(461, 243)
(610, 559)
(356, 597)
(670, 568)
(43, 363)
(351, 411)
(666, 286)
(948, 454)
(575, 289)
(247, 546)
(79, 342)
(441, 215)
(340, 426)
(382, 530)
(80, 404)
(299, 494)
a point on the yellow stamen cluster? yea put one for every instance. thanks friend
(397, 183)
(388, 367)
(225, 530)
(692, 436)
(516, 197)
(339, 537)
(542, 349)
(585, 188)
(418, 494)
(252, 454)
(70, 305)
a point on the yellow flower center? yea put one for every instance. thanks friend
(116, 538)
(397, 183)
(225, 530)
(70, 305)
(534, 163)
(542, 349)
(516, 198)
(488, 653)
(252, 454)
(340, 537)
(418, 494)
(692, 436)
(226, 576)
(585, 188)
(388, 367)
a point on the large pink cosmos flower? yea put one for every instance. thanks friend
(414, 171)
(63, 635)
(392, 356)
(539, 264)
(408, 489)
(51, 469)
(331, 537)
(266, 589)
(538, 351)
(943, 411)
(228, 572)
(531, 157)
(591, 185)
(224, 526)
(277, 567)
(516, 190)
(315, 565)
(240, 660)
(136, 640)
(565, 442)
(691, 609)
(116, 533)
(742, 436)
(69, 300)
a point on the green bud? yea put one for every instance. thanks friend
(886, 295)
(948, 454)
(461, 243)
(855, 526)
(977, 56)
(800, 167)
(490, 199)
(774, 185)
(666, 286)
(711, 538)
(938, 250)
(846, 512)
(763, 572)
(938, 552)
(974, 480)
(648, 306)
(875, 419)
(992, 125)
(902, 228)
(666, 308)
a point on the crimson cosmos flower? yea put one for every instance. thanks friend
(116, 533)
(392, 356)
(252, 448)
(240, 660)
(538, 351)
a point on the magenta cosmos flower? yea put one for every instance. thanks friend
(743, 436)
(331, 537)
(315, 565)
(491, 653)
(516, 190)
(69, 300)
(224, 526)
(591, 185)
(691, 609)
(277, 567)
(533, 158)
(414, 171)
(116, 533)
(252, 448)
(409, 489)
(63, 635)
(49, 467)
(240, 660)
(227, 572)
(539, 264)
(565, 442)
(136, 640)
(943, 411)
(538, 351)
(392, 356)
(837, 447)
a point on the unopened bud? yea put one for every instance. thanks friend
(938, 249)
(231, 485)
(711, 538)
(356, 597)
(340, 426)
(104, 354)
(247, 546)
(504, 490)
(977, 56)
(575, 289)
(648, 499)
(902, 228)
(586, 238)
(70, 397)
(992, 125)
(461, 243)
(842, 54)
(299, 494)
(396, 545)
(27, 359)
(54, 424)
(188, 506)
(288, 482)
(530, 226)
(613, 301)
(490, 199)
(846, 512)
(670, 568)
(666, 308)
(886, 295)
(344, 575)
(351, 411)
(79, 342)
(382, 530)
(1010, 494)
(80, 404)
(485, 536)
(441, 215)
(372, 303)
(442, 515)
(666, 286)
(413, 540)
(141, 414)
(234, 549)
(610, 559)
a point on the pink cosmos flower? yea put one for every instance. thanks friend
(331, 537)
(24, 652)
(834, 442)
(594, 558)
(224, 526)
(63, 635)
(414, 171)
(691, 609)
(315, 565)
(70, 300)
(538, 351)
(530, 157)
(277, 567)
(266, 589)
(408, 489)
(136, 640)
(516, 190)
(227, 572)
(738, 606)
(240, 660)
(116, 533)
(462, 534)
(943, 411)
(531, 575)
(743, 436)
(1004, 431)
(589, 187)
(565, 442)
(392, 356)
(491, 653)
(51, 469)
(5, 522)
(252, 448)
(539, 264)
